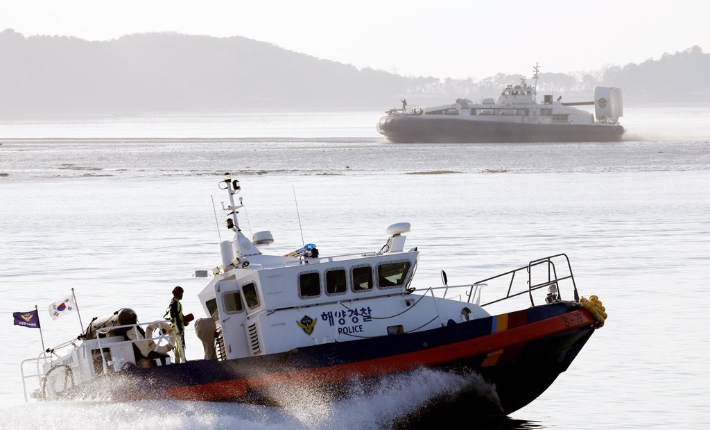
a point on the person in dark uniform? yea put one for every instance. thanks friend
(179, 322)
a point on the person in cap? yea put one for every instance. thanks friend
(179, 322)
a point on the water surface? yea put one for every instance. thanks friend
(124, 219)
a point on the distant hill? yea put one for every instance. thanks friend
(176, 73)
(674, 78)
(680, 77)
(168, 72)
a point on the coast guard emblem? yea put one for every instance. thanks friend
(307, 324)
(602, 102)
(26, 319)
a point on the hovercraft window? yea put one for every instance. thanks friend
(309, 284)
(336, 281)
(250, 295)
(232, 302)
(392, 274)
(362, 278)
(560, 117)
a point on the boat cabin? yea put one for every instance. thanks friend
(518, 104)
(273, 304)
(517, 94)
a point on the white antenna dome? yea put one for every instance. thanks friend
(398, 228)
(262, 238)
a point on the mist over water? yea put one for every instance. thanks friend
(123, 212)
(642, 124)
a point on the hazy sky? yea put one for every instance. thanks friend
(439, 38)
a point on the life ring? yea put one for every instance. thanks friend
(166, 332)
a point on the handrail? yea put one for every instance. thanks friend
(552, 279)
(474, 290)
(38, 375)
(334, 301)
(436, 307)
(45, 358)
(64, 344)
(130, 341)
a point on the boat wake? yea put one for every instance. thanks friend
(394, 401)
(408, 400)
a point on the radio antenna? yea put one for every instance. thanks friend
(536, 69)
(215, 219)
(246, 214)
(303, 241)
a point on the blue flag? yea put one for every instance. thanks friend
(28, 319)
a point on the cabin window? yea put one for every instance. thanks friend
(309, 284)
(335, 281)
(212, 308)
(232, 302)
(362, 278)
(392, 274)
(545, 112)
(250, 295)
(560, 117)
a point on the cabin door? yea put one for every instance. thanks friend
(232, 313)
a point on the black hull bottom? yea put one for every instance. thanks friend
(515, 386)
(423, 129)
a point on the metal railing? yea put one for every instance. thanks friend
(552, 279)
(38, 372)
(473, 292)
(48, 357)
(106, 330)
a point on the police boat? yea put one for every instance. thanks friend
(281, 324)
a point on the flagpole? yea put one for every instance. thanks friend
(44, 350)
(77, 310)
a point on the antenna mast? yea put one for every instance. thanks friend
(242, 246)
(303, 241)
(215, 219)
(536, 69)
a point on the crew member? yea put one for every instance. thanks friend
(179, 322)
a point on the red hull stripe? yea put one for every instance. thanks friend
(215, 391)
(498, 341)
(517, 319)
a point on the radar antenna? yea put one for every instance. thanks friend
(536, 69)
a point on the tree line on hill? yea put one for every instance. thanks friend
(177, 73)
